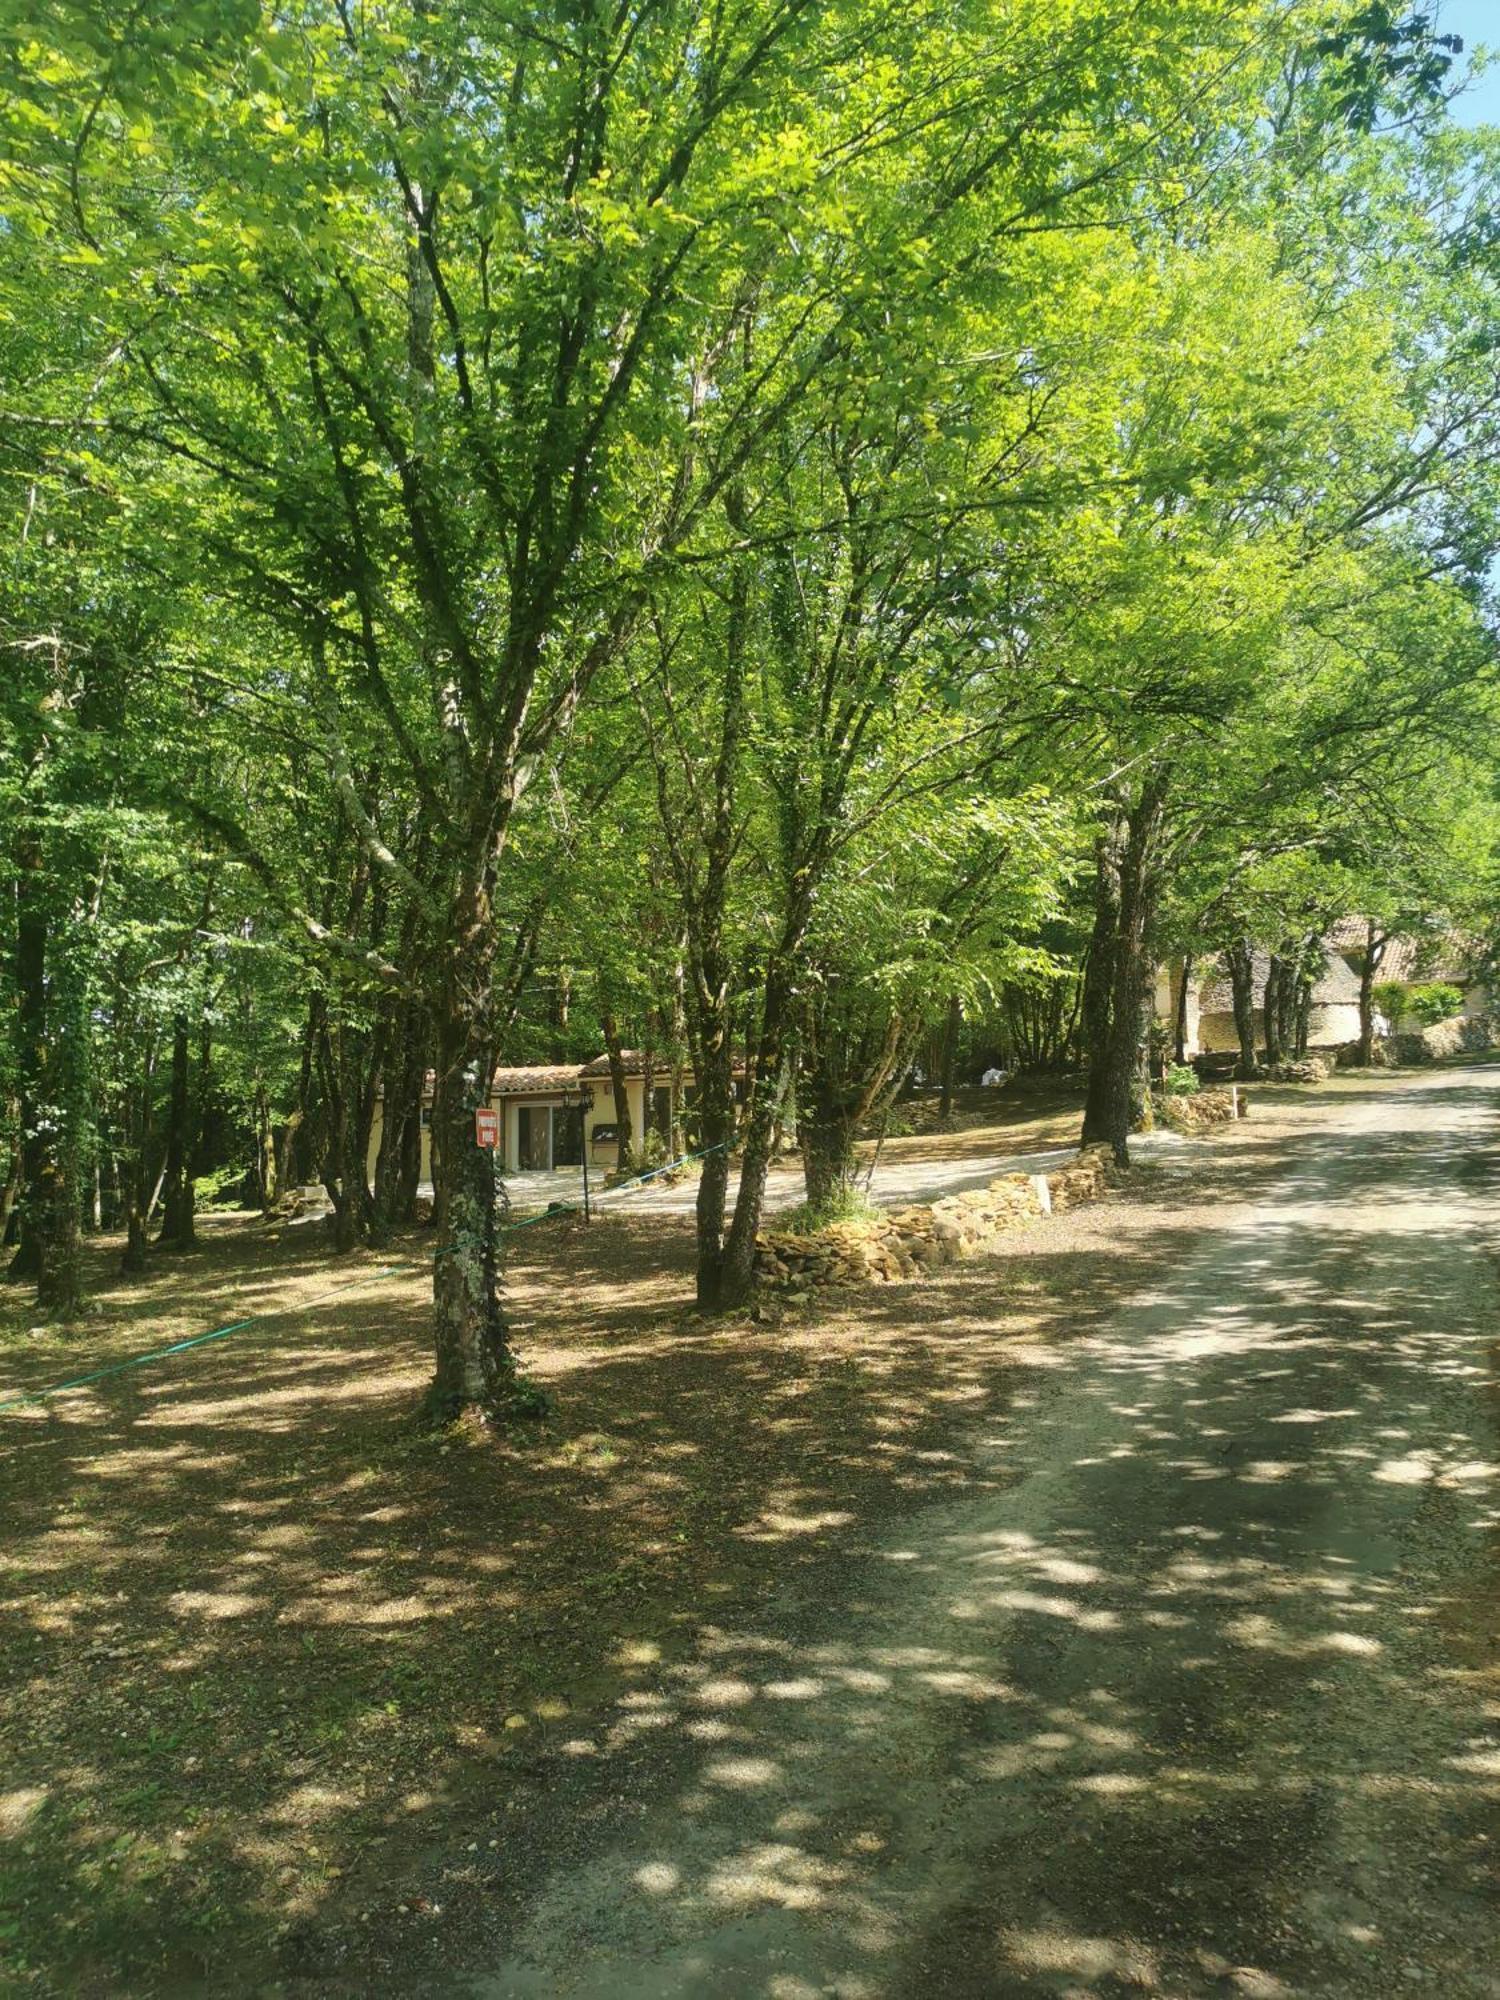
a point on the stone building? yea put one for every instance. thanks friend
(1334, 1017)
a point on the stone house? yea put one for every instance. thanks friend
(1417, 961)
(1334, 1017)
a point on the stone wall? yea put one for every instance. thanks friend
(1300, 1069)
(1327, 1026)
(1202, 1109)
(903, 1242)
(1463, 1034)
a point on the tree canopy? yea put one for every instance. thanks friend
(752, 531)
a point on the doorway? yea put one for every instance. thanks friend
(533, 1138)
(567, 1135)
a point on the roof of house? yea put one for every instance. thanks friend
(1430, 955)
(634, 1061)
(548, 1079)
(526, 1079)
(1338, 986)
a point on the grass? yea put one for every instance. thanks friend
(853, 1204)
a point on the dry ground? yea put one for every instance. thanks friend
(276, 1673)
(252, 1624)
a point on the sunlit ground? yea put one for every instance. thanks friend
(291, 1691)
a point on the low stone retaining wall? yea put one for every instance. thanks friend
(1464, 1034)
(1302, 1069)
(902, 1242)
(1203, 1109)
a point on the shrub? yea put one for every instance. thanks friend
(1434, 1003)
(1182, 1080)
(852, 1205)
(1391, 999)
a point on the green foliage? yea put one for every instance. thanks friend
(1434, 1002)
(1181, 1080)
(699, 518)
(850, 1204)
(1391, 998)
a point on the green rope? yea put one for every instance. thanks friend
(200, 1339)
(365, 1278)
(159, 1354)
(655, 1173)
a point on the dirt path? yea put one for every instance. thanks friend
(1196, 1697)
(921, 1166)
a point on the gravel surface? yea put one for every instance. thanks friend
(1186, 1696)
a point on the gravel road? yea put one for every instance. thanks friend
(1177, 1710)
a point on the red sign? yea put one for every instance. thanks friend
(486, 1127)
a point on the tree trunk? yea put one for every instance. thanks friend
(1375, 946)
(1271, 1008)
(1240, 959)
(715, 1110)
(769, 1085)
(401, 1121)
(1120, 1102)
(474, 1367)
(1286, 1007)
(31, 1050)
(1098, 981)
(950, 1057)
(614, 1050)
(135, 1164)
(263, 1167)
(12, 1184)
(828, 1161)
(1180, 1023)
(707, 972)
(133, 1259)
(676, 1143)
(176, 1231)
(648, 1094)
(59, 1288)
(409, 1167)
(294, 1132)
(340, 1071)
(1304, 1016)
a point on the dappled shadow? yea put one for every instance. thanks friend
(255, 1630)
(750, 1649)
(1173, 1713)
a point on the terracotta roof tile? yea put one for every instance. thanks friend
(531, 1077)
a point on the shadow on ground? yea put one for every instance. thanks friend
(288, 1692)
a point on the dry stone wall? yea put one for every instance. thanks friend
(1302, 1069)
(1205, 1108)
(1464, 1034)
(903, 1242)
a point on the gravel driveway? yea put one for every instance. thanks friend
(897, 1180)
(1173, 1705)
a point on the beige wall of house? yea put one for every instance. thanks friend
(377, 1125)
(1326, 1028)
(1167, 979)
(606, 1154)
(603, 1155)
